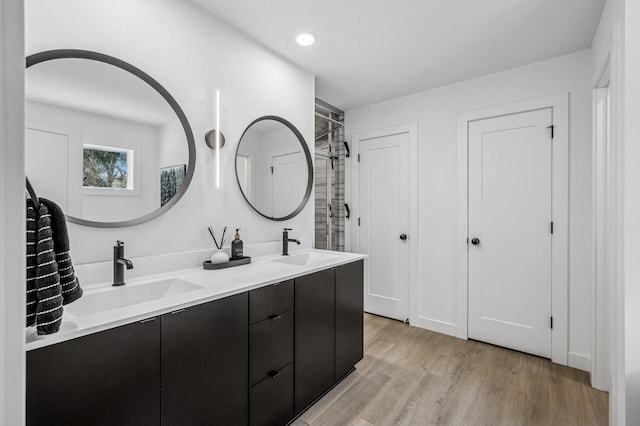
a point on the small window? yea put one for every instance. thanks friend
(107, 167)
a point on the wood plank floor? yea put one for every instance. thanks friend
(411, 376)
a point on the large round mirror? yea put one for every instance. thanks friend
(104, 140)
(273, 168)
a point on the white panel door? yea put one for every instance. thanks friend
(384, 217)
(510, 231)
(288, 188)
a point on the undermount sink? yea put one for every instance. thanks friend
(110, 298)
(305, 258)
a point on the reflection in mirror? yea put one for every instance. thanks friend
(103, 139)
(273, 168)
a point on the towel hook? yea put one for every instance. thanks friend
(32, 194)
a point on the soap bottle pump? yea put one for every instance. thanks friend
(237, 246)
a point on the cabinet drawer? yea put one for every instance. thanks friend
(270, 345)
(271, 400)
(270, 300)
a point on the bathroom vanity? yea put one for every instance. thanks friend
(256, 344)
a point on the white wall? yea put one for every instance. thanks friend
(612, 15)
(191, 54)
(12, 223)
(608, 47)
(252, 149)
(436, 112)
(172, 151)
(632, 212)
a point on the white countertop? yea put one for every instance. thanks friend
(215, 284)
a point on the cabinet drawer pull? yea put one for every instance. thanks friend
(148, 320)
(274, 317)
(179, 311)
(273, 374)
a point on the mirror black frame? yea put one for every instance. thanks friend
(307, 155)
(49, 55)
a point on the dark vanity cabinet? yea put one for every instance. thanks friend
(304, 336)
(271, 354)
(107, 378)
(187, 367)
(314, 336)
(259, 358)
(349, 317)
(204, 363)
(328, 329)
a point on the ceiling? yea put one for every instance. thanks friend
(367, 51)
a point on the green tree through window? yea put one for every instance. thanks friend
(105, 169)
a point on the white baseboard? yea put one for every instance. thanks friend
(581, 362)
(435, 325)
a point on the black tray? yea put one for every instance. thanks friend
(244, 260)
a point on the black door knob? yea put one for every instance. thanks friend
(475, 241)
(403, 237)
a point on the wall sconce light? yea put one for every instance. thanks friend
(215, 139)
(210, 139)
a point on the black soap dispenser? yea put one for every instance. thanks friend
(237, 247)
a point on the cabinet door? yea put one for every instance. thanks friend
(106, 378)
(204, 364)
(314, 336)
(349, 317)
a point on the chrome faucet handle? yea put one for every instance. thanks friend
(119, 243)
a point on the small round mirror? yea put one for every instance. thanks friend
(103, 139)
(273, 168)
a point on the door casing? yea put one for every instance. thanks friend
(603, 238)
(559, 105)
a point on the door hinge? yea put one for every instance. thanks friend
(551, 321)
(358, 158)
(552, 227)
(358, 221)
(272, 170)
(552, 127)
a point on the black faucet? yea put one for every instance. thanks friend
(119, 262)
(286, 240)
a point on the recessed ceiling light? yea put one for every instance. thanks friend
(305, 39)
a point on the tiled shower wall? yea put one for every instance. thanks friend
(329, 221)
